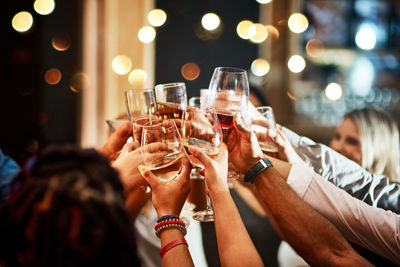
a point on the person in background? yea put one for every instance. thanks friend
(370, 138)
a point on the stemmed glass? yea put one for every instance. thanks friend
(264, 125)
(162, 149)
(171, 100)
(141, 108)
(201, 129)
(228, 93)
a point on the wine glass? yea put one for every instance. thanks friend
(141, 108)
(201, 130)
(171, 100)
(228, 93)
(194, 101)
(162, 149)
(264, 125)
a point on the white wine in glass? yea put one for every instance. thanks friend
(162, 149)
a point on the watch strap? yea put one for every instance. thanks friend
(259, 167)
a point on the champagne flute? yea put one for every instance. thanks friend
(141, 108)
(264, 125)
(171, 100)
(162, 149)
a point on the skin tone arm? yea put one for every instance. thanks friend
(235, 247)
(310, 234)
(168, 199)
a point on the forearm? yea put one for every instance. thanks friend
(370, 227)
(234, 244)
(178, 255)
(311, 235)
(135, 200)
(375, 190)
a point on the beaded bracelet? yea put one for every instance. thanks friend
(166, 217)
(169, 221)
(171, 245)
(168, 226)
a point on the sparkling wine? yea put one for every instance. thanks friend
(169, 111)
(168, 168)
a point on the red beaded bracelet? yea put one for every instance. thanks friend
(171, 245)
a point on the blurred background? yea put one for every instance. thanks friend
(66, 63)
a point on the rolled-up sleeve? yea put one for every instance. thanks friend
(373, 228)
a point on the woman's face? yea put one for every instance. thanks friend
(346, 141)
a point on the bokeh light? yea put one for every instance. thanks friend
(258, 33)
(22, 21)
(272, 32)
(137, 77)
(121, 64)
(61, 42)
(333, 91)
(264, 1)
(157, 17)
(260, 67)
(366, 37)
(190, 71)
(146, 34)
(242, 29)
(210, 21)
(79, 81)
(52, 76)
(291, 95)
(296, 63)
(315, 48)
(298, 23)
(44, 7)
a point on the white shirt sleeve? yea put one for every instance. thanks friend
(373, 228)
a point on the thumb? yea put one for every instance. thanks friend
(200, 156)
(149, 176)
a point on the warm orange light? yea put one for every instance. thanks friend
(44, 7)
(315, 48)
(242, 29)
(61, 42)
(190, 71)
(78, 82)
(121, 64)
(272, 32)
(258, 33)
(52, 76)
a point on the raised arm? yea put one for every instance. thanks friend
(375, 190)
(235, 247)
(168, 199)
(310, 234)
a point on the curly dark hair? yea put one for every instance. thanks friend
(68, 211)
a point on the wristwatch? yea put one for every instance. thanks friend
(259, 167)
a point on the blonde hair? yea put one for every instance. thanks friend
(379, 137)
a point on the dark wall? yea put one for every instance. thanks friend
(34, 113)
(182, 40)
